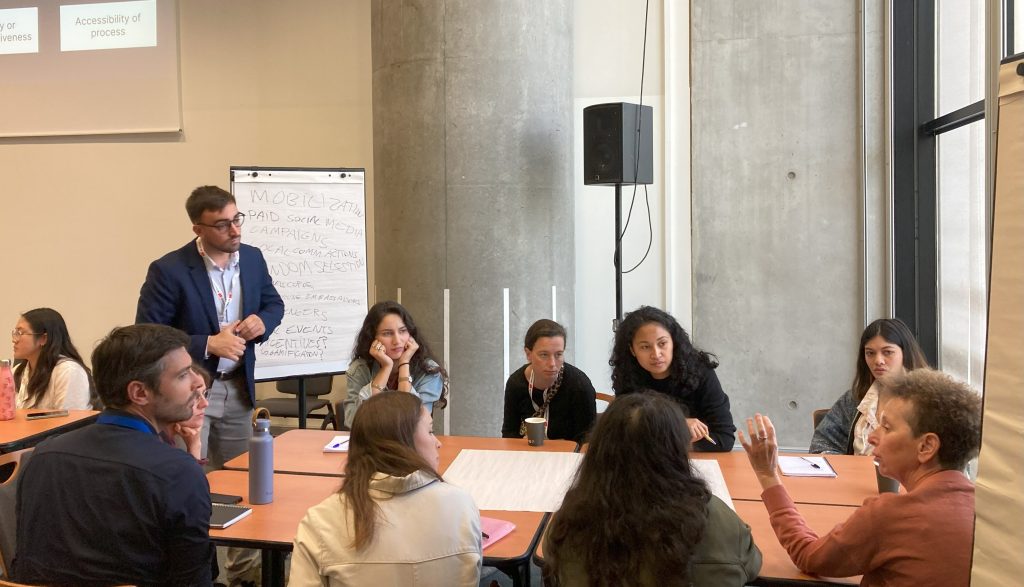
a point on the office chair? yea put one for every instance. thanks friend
(817, 416)
(284, 407)
(13, 461)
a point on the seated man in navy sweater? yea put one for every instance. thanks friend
(111, 503)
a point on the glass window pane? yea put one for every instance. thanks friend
(1018, 26)
(962, 271)
(960, 54)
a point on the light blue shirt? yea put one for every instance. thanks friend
(226, 284)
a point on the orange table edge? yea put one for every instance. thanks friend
(21, 433)
(298, 459)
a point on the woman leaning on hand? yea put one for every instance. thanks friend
(390, 354)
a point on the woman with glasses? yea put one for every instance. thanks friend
(652, 352)
(390, 354)
(49, 373)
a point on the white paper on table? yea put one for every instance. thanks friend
(806, 467)
(337, 444)
(711, 473)
(520, 481)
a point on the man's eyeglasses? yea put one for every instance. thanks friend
(224, 225)
(18, 333)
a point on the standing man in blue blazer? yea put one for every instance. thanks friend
(219, 292)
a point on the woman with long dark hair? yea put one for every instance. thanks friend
(637, 514)
(394, 521)
(887, 348)
(652, 352)
(390, 353)
(49, 373)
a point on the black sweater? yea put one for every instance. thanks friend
(570, 413)
(708, 403)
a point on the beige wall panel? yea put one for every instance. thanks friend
(998, 538)
(263, 83)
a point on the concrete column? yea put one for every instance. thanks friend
(472, 133)
(787, 181)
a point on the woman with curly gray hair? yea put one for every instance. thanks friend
(929, 426)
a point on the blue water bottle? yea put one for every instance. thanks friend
(261, 463)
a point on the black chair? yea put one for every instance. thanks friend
(11, 464)
(284, 407)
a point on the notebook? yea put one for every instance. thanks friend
(337, 444)
(494, 530)
(806, 467)
(224, 515)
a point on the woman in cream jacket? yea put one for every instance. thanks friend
(394, 521)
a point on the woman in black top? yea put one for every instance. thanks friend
(653, 352)
(548, 387)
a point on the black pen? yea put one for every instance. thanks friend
(813, 464)
(486, 537)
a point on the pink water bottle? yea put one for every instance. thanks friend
(7, 397)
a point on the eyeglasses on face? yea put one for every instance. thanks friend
(18, 333)
(224, 225)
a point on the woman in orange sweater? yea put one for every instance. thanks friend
(929, 427)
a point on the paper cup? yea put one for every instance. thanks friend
(535, 431)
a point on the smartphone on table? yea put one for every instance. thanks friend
(224, 498)
(46, 414)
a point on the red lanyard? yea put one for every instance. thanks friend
(225, 299)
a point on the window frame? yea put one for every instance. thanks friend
(915, 133)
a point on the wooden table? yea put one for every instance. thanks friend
(20, 433)
(776, 566)
(271, 527)
(301, 466)
(511, 554)
(301, 452)
(855, 480)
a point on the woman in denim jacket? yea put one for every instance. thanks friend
(390, 354)
(887, 347)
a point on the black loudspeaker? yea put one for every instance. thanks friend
(617, 144)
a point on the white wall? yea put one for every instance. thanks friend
(608, 52)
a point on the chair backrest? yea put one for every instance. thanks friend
(603, 399)
(8, 503)
(818, 415)
(315, 386)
